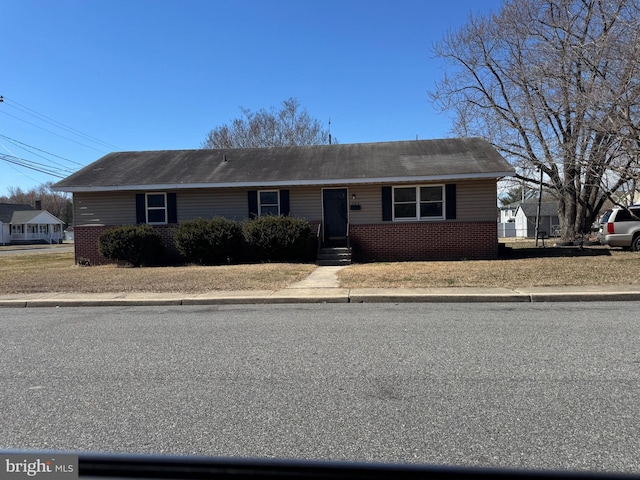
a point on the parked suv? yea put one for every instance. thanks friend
(620, 227)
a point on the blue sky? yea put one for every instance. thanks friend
(82, 78)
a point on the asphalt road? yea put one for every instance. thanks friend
(551, 386)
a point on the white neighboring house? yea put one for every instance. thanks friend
(506, 222)
(525, 219)
(25, 224)
(508, 212)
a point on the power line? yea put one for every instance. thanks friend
(51, 167)
(46, 119)
(30, 164)
(20, 171)
(53, 133)
(58, 164)
(19, 143)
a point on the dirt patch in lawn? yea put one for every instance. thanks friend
(522, 266)
(56, 272)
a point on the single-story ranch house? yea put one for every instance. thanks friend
(407, 200)
(24, 224)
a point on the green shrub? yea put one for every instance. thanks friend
(209, 242)
(136, 244)
(279, 238)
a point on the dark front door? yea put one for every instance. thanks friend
(334, 207)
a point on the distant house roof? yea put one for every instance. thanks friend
(19, 214)
(547, 209)
(511, 206)
(23, 216)
(34, 217)
(8, 209)
(419, 160)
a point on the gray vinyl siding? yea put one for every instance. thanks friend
(104, 208)
(476, 201)
(369, 198)
(202, 203)
(119, 208)
(306, 202)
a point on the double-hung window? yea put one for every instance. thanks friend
(269, 202)
(156, 208)
(418, 202)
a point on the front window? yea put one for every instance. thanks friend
(269, 202)
(156, 207)
(418, 203)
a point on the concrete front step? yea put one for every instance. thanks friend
(334, 256)
(332, 263)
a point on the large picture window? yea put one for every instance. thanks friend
(269, 202)
(418, 202)
(156, 207)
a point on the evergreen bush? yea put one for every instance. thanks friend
(136, 244)
(279, 238)
(209, 242)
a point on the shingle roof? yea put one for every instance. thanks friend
(23, 216)
(7, 210)
(319, 164)
(547, 209)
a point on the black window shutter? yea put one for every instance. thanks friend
(284, 202)
(141, 216)
(253, 203)
(172, 208)
(450, 196)
(386, 204)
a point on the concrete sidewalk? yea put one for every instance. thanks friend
(322, 286)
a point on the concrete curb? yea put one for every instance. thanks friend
(322, 296)
(587, 297)
(438, 298)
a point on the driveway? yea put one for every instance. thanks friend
(31, 249)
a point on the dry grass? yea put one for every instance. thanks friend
(56, 272)
(521, 267)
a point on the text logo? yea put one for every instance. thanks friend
(55, 467)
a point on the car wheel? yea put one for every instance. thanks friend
(635, 243)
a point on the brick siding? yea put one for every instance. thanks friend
(424, 241)
(375, 242)
(86, 244)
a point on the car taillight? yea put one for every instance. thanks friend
(610, 228)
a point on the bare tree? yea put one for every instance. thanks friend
(517, 194)
(56, 203)
(555, 86)
(288, 126)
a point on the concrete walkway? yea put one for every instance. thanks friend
(321, 277)
(322, 286)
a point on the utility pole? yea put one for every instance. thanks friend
(538, 209)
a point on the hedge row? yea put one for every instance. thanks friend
(215, 241)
